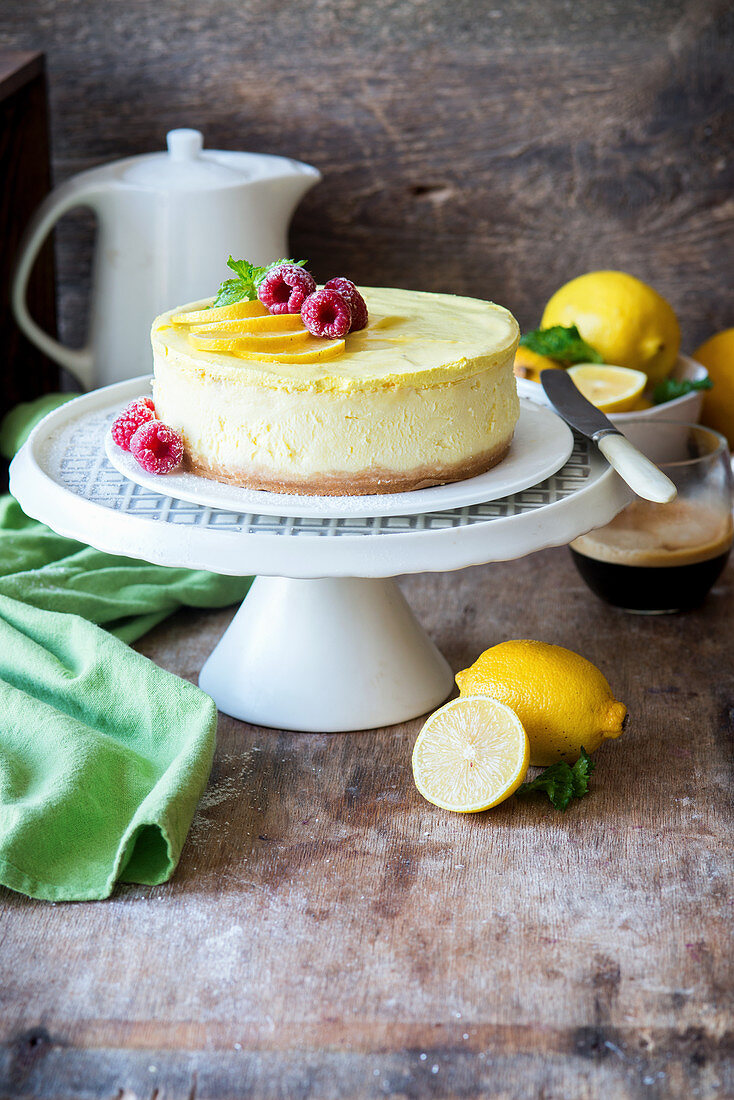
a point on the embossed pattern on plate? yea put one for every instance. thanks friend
(77, 456)
(62, 477)
(541, 445)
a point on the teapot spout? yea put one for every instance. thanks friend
(286, 189)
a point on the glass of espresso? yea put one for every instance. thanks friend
(654, 559)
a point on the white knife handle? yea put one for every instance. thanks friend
(639, 472)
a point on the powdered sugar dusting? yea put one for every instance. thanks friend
(220, 790)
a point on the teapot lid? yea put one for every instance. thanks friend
(188, 167)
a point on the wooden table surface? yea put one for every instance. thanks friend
(329, 934)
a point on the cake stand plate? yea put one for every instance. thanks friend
(541, 445)
(324, 640)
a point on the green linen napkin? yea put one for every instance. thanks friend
(103, 755)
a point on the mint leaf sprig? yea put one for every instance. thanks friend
(564, 343)
(563, 782)
(670, 388)
(249, 277)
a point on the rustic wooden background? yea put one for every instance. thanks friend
(492, 148)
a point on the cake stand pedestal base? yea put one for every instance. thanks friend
(325, 656)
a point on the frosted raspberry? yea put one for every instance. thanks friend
(157, 448)
(285, 288)
(348, 290)
(137, 413)
(327, 313)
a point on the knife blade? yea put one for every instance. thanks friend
(642, 475)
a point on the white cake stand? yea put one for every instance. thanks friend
(335, 646)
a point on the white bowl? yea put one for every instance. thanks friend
(686, 409)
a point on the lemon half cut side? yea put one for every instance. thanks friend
(471, 754)
(611, 389)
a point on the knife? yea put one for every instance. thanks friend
(642, 476)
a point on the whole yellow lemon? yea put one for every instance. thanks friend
(563, 701)
(717, 356)
(627, 321)
(528, 364)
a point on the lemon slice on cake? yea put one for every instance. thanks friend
(315, 350)
(611, 389)
(216, 314)
(257, 323)
(234, 343)
(471, 754)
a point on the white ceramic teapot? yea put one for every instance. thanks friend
(167, 222)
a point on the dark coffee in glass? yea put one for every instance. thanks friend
(693, 544)
(657, 558)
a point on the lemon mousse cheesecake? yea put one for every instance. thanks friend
(422, 394)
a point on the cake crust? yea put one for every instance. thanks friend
(363, 483)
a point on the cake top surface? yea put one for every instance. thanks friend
(413, 338)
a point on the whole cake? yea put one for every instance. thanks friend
(265, 397)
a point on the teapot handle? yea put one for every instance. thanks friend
(73, 193)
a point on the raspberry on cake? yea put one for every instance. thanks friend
(423, 395)
(327, 313)
(348, 290)
(285, 288)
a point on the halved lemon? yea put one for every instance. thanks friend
(640, 405)
(611, 389)
(221, 313)
(471, 754)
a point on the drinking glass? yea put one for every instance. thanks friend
(654, 559)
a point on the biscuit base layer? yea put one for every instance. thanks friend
(366, 483)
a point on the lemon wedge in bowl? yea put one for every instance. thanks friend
(471, 754)
(611, 389)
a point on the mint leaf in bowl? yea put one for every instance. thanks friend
(670, 388)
